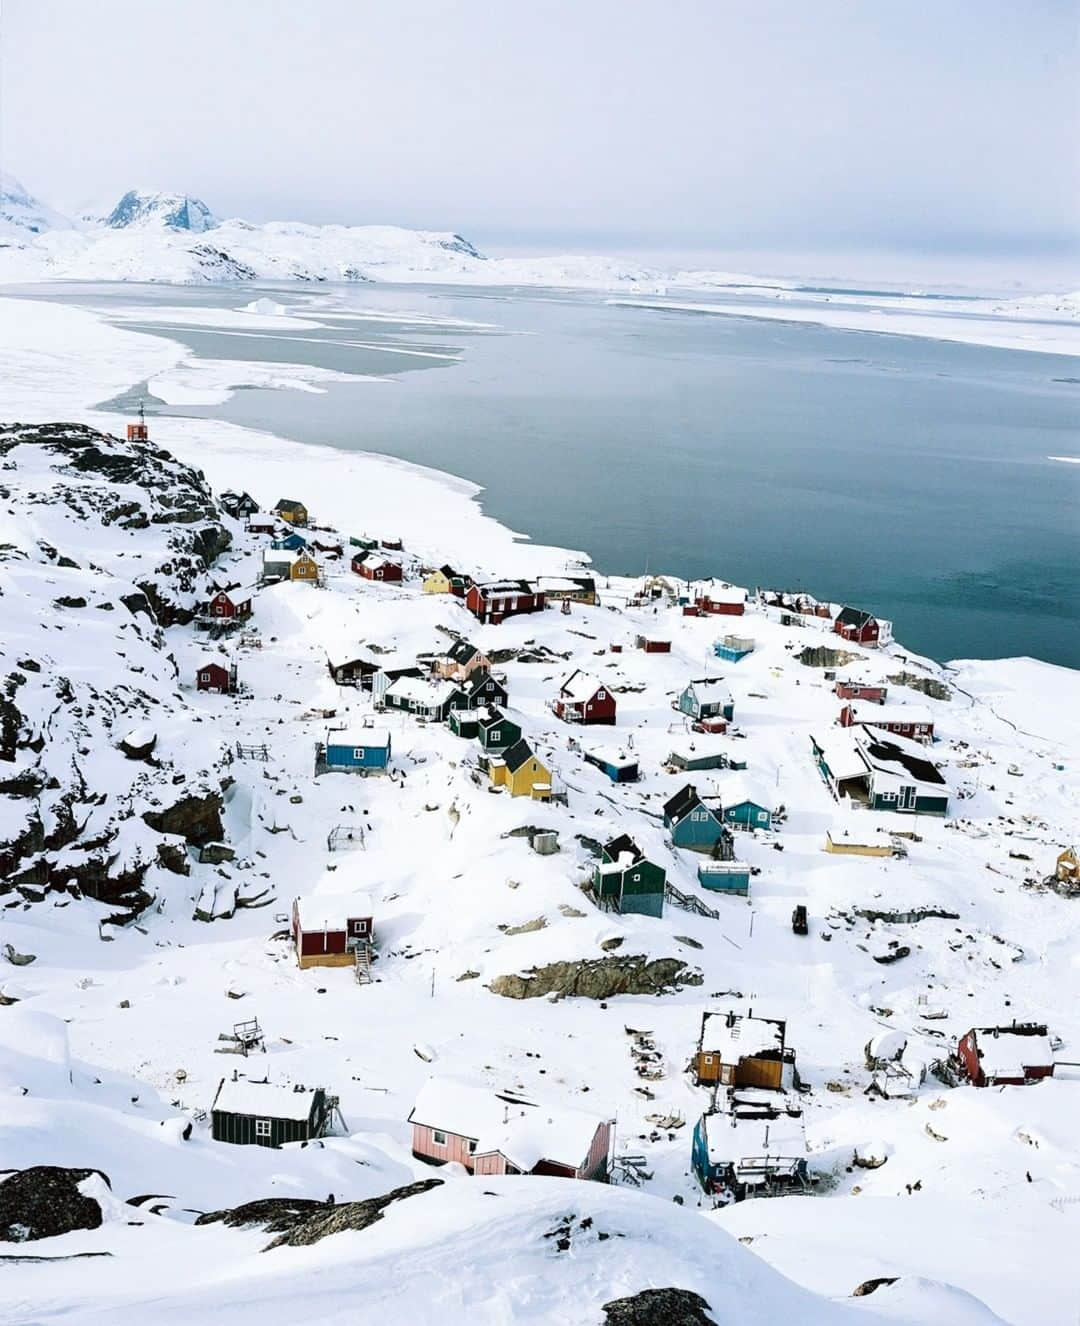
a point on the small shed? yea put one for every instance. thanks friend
(216, 677)
(248, 1113)
(262, 522)
(363, 751)
(619, 766)
(721, 601)
(1067, 867)
(693, 759)
(357, 670)
(861, 627)
(626, 881)
(583, 699)
(871, 692)
(725, 877)
(328, 928)
(238, 505)
(740, 1050)
(1006, 1056)
(289, 509)
(747, 805)
(651, 644)
(707, 697)
(732, 648)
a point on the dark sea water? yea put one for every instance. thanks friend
(905, 475)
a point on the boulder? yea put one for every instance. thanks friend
(659, 1307)
(599, 978)
(820, 656)
(44, 1201)
(197, 819)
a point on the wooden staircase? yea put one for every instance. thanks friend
(688, 902)
(362, 954)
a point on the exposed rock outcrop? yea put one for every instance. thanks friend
(599, 978)
(936, 690)
(43, 1201)
(820, 656)
(659, 1307)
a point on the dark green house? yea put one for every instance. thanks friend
(465, 723)
(249, 1113)
(626, 882)
(497, 733)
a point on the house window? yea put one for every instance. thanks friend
(709, 1059)
(762, 815)
(472, 1148)
(204, 676)
(262, 1127)
(495, 734)
(358, 753)
(438, 1138)
(888, 796)
(600, 695)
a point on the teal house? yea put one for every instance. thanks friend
(364, 751)
(725, 877)
(694, 825)
(626, 882)
(732, 648)
(746, 805)
(707, 697)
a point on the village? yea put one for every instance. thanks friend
(474, 698)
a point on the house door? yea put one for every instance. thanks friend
(906, 800)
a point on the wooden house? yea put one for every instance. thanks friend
(293, 541)
(497, 733)
(238, 505)
(422, 697)
(261, 522)
(480, 690)
(364, 751)
(370, 566)
(216, 677)
(495, 601)
(392, 545)
(839, 842)
(748, 1147)
(725, 877)
(862, 628)
(493, 1132)
(747, 805)
(870, 692)
(583, 699)
(692, 759)
(707, 697)
(1067, 868)
(248, 1113)
(391, 668)
(616, 764)
(282, 564)
(442, 581)
(880, 774)
(328, 928)
(733, 648)
(900, 720)
(696, 826)
(569, 589)
(626, 882)
(368, 545)
(521, 773)
(461, 660)
(357, 671)
(651, 644)
(740, 1050)
(230, 605)
(292, 511)
(1006, 1056)
(465, 723)
(723, 601)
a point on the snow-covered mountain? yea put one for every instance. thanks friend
(23, 215)
(175, 211)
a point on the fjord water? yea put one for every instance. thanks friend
(907, 475)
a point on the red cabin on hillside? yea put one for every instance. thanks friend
(858, 690)
(377, 568)
(496, 601)
(583, 699)
(216, 677)
(858, 626)
(728, 602)
(230, 605)
(328, 929)
(902, 720)
(1006, 1056)
(651, 645)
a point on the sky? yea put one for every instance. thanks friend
(698, 126)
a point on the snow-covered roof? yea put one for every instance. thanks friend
(579, 687)
(1005, 1052)
(368, 737)
(723, 593)
(615, 756)
(267, 1099)
(840, 751)
(523, 1130)
(864, 712)
(711, 689)
(893, 757)
(421, 691)
(734, 1136)
(736, 789)
(273, 556)
(330, 911)
(737, 1037)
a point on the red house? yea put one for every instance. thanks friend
(377, 568)
(727, 602)
(1006, 1056)
(651, 645)
(499, 599)
(583, 699)
(902, 720)
(216, 677)
(328, 929)
(860, 627)
(857, 690)
(230, 605)
(497, 1132)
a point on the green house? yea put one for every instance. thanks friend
(496, 732)
(465, 723)
(626, 882)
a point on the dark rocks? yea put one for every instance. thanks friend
(138, 745)
(298, 1223)
(69, 601)
(659, 1307)
(599, 978)
(45, 1201)
(819, 656)
(936, 690)
(868, 1286)
(197, 819)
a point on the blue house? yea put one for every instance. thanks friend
(725, 877)
(707, 697)
(617, 764)
(364, 751)
(732, 648)
(746, 805)
(292, 542)
(750, 1149)
(696, 826)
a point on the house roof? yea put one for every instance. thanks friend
(877, 714)
(461, 651)
(478, 681)
(840, 751)
(419, 690)
(370, 738)
(614, 756)
(288, 504)
(374, 562)
(504, 588)
(523, 1130)
(898, 757)
(518, 754)
(330, 911)
(723, 593)
(738, 788)
(735, 1036)
(618, 846)
(682, 803)
(270, 1100)
(238, 593)
(854, 617)
(492, 717)
(1007, 1051)
(734, 1135)
(580, 687)
(711, 690)
(208, 663)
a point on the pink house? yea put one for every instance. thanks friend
(503, 1132)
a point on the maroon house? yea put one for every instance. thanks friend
(651, 645)
(583, 699)
(901, 720)
(858, 626)
(1006, 1056)
(230, 605)
(377, 568)
(328, 929)
(729, 602)
(497, 600)
(857, 690)
(216, 677)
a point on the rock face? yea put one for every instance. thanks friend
(819, 656)
(599, 978)
(659, 1307)
(299, 1222)
(44, 1201)
(107, 542)
(936, 690)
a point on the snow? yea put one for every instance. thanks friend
(879, 714)
(744, 1038)
(580, 687)
(369, 738)
(270, 1100)
(1005, 1053)
(330, 910)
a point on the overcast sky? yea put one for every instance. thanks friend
(945, 126)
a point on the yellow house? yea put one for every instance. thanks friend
(304, 567)
(294, 512)
(437, 582)
(1067, 869)
(843, 846)
(521, 773)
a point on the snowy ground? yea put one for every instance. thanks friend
(117, 1040)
